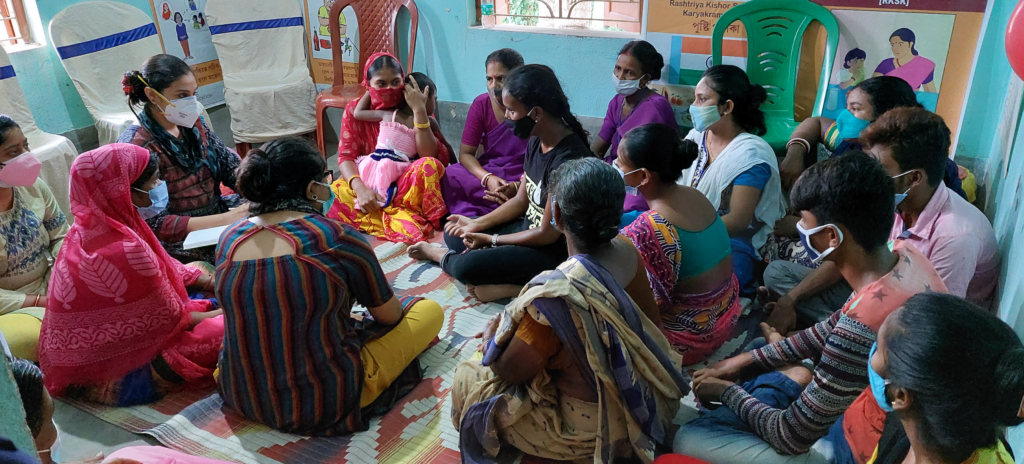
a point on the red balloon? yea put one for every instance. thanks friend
(1015, 39)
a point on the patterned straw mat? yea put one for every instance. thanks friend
(417, 430)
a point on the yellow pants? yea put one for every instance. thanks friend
(22, 334)
(385, 358)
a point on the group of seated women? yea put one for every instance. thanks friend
(625, 269)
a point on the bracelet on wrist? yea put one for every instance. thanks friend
(483, 182)
(425, 125)
(494, 241)
(799, 141)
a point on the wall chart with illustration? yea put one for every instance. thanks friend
(929, 43)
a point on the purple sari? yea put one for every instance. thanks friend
(502, 155)
(653, 109)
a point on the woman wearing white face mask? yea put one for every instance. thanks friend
(32, 229)
(735, 169)
(634, 105)
(194, 163)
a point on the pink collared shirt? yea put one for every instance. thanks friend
(960, 243)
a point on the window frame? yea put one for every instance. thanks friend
(579, 32)
(11, 12)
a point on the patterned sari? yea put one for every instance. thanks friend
(695, 324)
(414, 212)
(618, 351)
(118, 326)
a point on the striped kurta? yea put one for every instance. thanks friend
(291, 355)
(839, 348)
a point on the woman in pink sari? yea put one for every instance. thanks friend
(120, 327)
(906, 64)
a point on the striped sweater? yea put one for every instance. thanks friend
(839, 348)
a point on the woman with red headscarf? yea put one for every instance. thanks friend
(409, 210)
(120, 327)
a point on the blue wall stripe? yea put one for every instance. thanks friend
(6, 72)
(253, 25)
(103, 43)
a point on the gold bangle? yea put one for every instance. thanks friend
(425, 125)
(354, 177)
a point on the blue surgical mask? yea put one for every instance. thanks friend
(704, 117)
(159, 198)
(325, 205)
(630, 190)
(850, 126)
(902, 196)
(805, 237)
(877, 383)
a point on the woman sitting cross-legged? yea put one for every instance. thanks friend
(735, 168)
(683, 241)
(391, 156)
(32, 229)
(573, 369)
(294, 356)
(491, 156)
(518, 234)
(194, 163)
(120, 328)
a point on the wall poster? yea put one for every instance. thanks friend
(928, 43)
(185, 34)
(318, 35)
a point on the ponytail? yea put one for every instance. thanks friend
(571, 122)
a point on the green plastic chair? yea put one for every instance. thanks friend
(775, 31)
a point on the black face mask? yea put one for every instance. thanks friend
(521, 127)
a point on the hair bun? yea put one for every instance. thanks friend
(683, 154)
(758, 95)
(254, 176)
(605, 224)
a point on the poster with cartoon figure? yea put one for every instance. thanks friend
(185, 34)
(912, 40)
(321, 45)
(910, 46)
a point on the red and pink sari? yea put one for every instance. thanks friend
(414, 212)
(117, 328)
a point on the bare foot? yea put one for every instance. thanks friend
(770, 334)
(424, 251)
(489, 293)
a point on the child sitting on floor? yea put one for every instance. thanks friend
(397, 140)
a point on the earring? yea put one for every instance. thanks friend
(315, 197)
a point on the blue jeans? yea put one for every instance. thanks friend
(721, 437)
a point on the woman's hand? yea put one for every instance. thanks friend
(476, 240)
(488, 332)
(416, 98)
(459, 225)
(198, 317)
(709, 392)
(494, 183)
(367, 200)
(240, 212)
(33, 301)
(503, 193)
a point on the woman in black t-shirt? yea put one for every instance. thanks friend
(495, 255)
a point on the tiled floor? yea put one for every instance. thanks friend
(83, 436)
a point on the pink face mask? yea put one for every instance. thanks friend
(22, 171)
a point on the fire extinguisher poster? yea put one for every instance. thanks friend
(321, 44)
